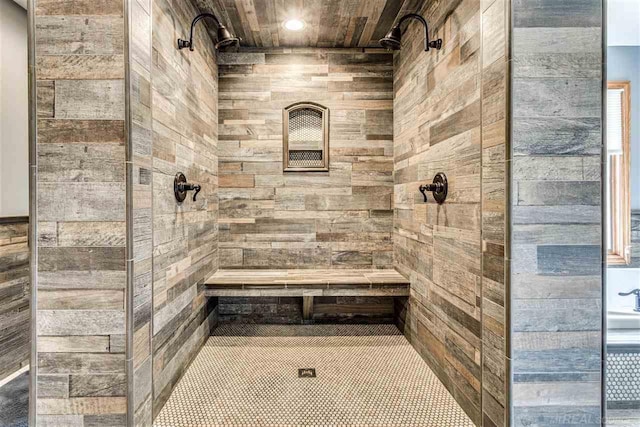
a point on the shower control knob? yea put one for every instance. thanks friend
(439, 187)
(181, 186)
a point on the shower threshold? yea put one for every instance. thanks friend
(363, 375)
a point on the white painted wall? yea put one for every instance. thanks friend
(621, 280)
(14, 109)
(623, 18)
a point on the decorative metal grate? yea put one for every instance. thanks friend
(305, 158)
(305, 126)
(623, 377)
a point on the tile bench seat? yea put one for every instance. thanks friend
(306, 284)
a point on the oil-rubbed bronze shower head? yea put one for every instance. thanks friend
(225, 38)
(393, 39)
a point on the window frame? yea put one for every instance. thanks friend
(619, 177)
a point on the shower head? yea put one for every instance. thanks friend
(225, 38)
(393, 39)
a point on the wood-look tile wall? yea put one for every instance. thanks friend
(437, 128)
(288, 310)
(496, 153)
(106, 210)
(15, 338)
(140, 226)
(185, 237)
(450, 113)
(80, 366)
(556, 265)
(338, 219)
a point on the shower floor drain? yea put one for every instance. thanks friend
(306, 373)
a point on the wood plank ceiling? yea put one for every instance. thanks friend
(329, 23)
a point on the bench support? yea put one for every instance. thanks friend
(307, 308)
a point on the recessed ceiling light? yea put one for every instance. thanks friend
(294, 24)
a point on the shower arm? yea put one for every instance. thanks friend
(436, 44)
(189, 43)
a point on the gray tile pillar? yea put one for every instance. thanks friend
(556, 253)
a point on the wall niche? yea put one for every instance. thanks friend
(306, 137)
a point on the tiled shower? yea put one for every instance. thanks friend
(492, 299)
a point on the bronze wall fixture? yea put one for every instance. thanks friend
(439, 187)
(181, 186)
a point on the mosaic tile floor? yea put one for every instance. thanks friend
(367, 375)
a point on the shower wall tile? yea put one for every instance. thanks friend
(45, 98)
(574, 260)
(81, 186)
(97, 385)
(103, 67)
(539, 136)
(336, 219)
(15, 289)
(555, 14)
(89, 99)
(288, 310)
(451, 114)
(496, 163)
(438, 127)
(72, 201)
(67, 344)
(570, 97)
(107, 213)
(84, 34)
(79, 7)
(81, 131)
(181, 92)
(139, 153)
(556, 264)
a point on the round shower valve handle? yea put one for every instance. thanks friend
(439, 187)
(181, 186)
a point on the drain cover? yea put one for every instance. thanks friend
(306, 373)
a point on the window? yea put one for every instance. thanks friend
(618, 161)
(306, 137)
